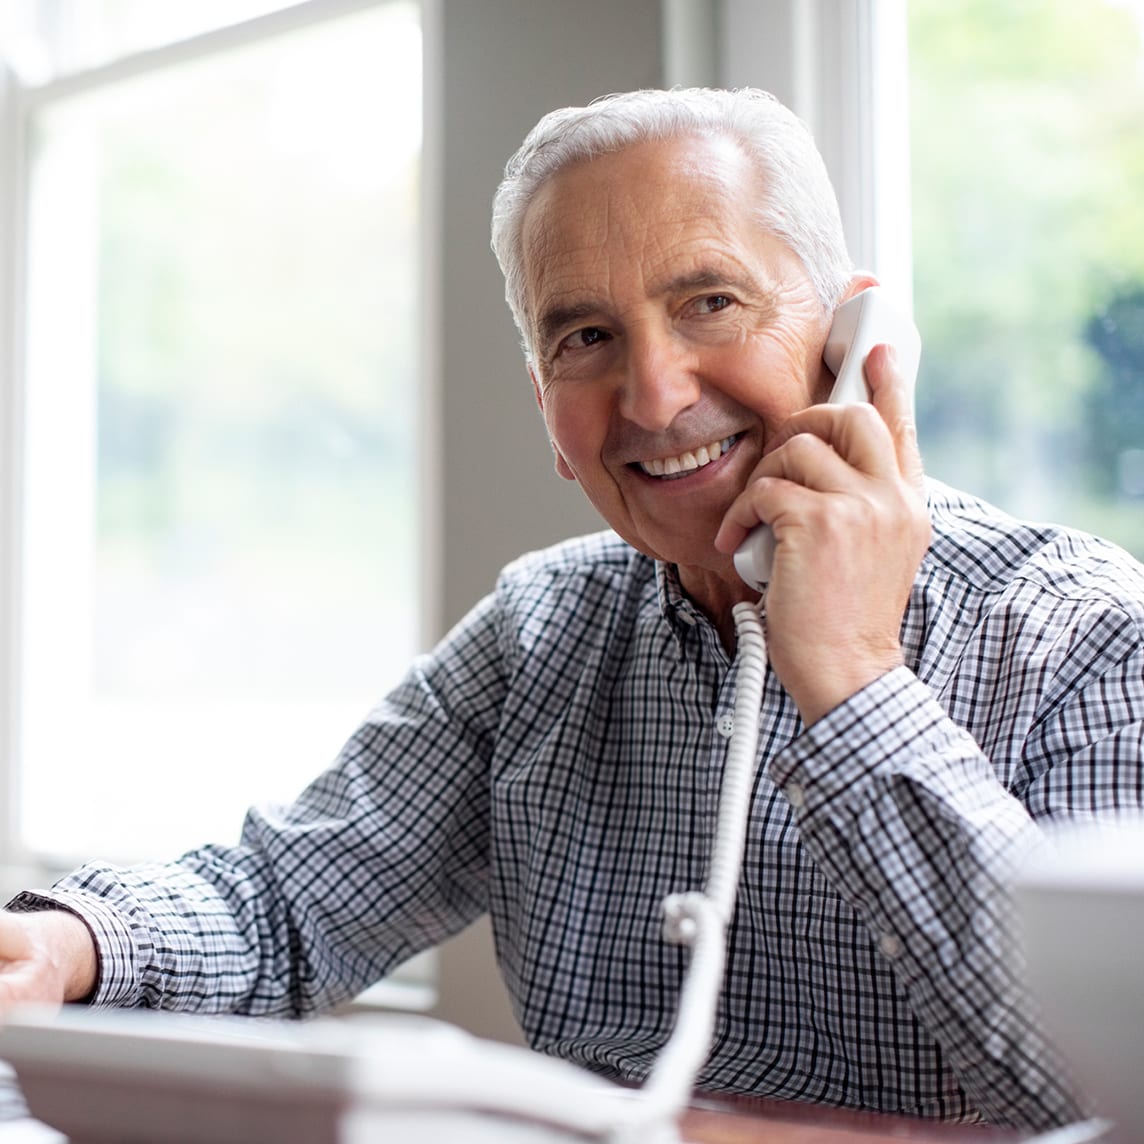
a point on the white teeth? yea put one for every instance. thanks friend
(687, 462)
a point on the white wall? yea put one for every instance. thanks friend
(505, 63)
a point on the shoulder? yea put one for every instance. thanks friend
(573, 585)
(991, 554)
(599, 562)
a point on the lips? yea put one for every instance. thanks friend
(684, 464)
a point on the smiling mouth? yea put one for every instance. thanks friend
(683, 465)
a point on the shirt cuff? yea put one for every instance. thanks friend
(889, 724)
(115, 976)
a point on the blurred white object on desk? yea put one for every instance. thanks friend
(16, 1123)
(1081, 905)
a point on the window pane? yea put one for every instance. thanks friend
(49, 38)
(1028, 164)
(221, 528)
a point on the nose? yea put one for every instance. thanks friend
(659, 380)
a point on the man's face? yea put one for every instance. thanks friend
(672, 336)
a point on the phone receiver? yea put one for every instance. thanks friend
(860, 323)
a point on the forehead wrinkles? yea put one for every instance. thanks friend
(626, 225)
(569, 236)
(580, 247)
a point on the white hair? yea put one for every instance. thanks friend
(798, 202)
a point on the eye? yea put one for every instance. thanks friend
(583, 339)
(712, 303)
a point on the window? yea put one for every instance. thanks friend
(219, 406)
(1028, 163)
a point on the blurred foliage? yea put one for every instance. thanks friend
(1028, 167)
(1115, 405)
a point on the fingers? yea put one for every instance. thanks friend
(854, 432)
(893, 397)
(805, 462)
(822, 447)
(21, 985)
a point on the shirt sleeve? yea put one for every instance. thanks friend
(383, 855)
(907, 817)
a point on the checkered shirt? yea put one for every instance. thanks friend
(556, 762)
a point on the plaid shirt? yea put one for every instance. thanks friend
(556, 762)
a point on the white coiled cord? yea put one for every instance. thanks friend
(700, 919)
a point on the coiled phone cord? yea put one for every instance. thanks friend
(699, 919)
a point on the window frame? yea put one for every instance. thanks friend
(20, 100)
(841, 65)
(14, 864)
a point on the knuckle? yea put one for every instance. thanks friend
(802, 447)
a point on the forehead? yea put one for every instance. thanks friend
(649, 209)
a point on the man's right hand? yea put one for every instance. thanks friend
(843, 489)
(47, 957)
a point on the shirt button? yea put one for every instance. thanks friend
(889, 944)
(796, 796)
(726, 725)
(685, 617)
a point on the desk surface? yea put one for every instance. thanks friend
(718, 1121)
(711, 1120)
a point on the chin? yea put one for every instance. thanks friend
(704, 560)
(697, 552)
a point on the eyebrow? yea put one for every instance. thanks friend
(706, 278)
(557, 318)
(701, 279)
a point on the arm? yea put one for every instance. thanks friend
(383, 855)
(919, 805)
(904, 814)
(898, 804)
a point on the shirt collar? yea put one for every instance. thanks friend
(681, 614)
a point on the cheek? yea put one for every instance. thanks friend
(771, 375)
(577, 425)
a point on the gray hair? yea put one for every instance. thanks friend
(798, 206)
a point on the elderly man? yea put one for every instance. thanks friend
(942, 678)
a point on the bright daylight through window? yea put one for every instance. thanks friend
(220, 485)
(1028, 168)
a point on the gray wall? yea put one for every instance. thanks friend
(505, 63)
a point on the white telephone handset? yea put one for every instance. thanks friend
(860, 323)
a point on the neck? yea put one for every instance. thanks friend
(716, 596)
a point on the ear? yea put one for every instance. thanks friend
(859, 281)
(562, 467)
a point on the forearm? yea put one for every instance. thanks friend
(211, 933)
(71, 951)
(905, 816)
(160, 937)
